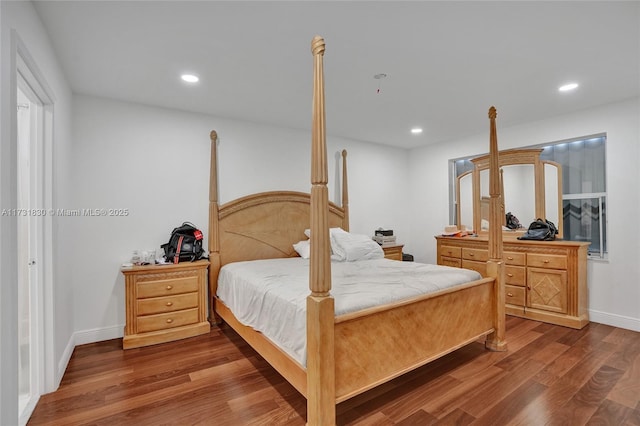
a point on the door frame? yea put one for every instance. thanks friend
(26, 68)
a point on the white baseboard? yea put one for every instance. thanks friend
(64, 361)
(82, 338)
(98, 334)
(614, 320)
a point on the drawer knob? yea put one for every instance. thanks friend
(169, 303)
(546, 261)
(471, 254)
(510, 275)
(169, 321)
(509, 258)
(510, 294)
(169, 287)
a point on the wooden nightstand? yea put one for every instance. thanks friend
(392, 251)
(165, 303)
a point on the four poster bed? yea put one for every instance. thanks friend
(344, 352)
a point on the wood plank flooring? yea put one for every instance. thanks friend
(551, 375)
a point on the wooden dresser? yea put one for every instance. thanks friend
(165, 302)
(544, 280)
(393, 251)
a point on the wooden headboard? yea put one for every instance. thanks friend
(264, 225)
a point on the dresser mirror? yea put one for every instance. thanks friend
(531, 189)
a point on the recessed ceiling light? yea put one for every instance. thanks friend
(568, 87)
(190, 78)
(416, 130)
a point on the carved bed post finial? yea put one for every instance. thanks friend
(492, 112)
(317, 46)
(345, 192)
(495, 267)
(321, 390)
(214, 239)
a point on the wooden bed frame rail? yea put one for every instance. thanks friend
(352, 353)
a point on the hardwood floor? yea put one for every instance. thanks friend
(550, 375)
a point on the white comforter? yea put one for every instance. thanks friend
(270, 295)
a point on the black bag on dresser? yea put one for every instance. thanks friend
(512, 221)
(185, 244)
(541, 230)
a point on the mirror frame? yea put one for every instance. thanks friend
(509, 158)
(467, 174)
(558, 167)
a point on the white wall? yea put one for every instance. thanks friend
(19, 20)
(614, 292)
(155, 163)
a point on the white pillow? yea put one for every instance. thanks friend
(303, 248)
(334, 256)
(307, 231)
(352, 247)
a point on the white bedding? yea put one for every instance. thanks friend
(270, 295)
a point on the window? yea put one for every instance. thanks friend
(584, 193)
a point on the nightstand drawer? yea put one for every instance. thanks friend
(168, 320)
(393, 252)
(475, 254)
(167, 287)
(158, 305)
(553, 261)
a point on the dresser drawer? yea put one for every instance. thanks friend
(515, 275)
(166, 287)
(156, 305)
(480, 267)
(552, 261)
(450, 251)
(514, 295)
(450, 261)
(475, 254)
(513, 258)
(168, 320)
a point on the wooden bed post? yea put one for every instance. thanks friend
(345, 192)
(214, 241)
(495, 267)
(321, 393)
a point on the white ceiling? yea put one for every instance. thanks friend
(446, 62)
